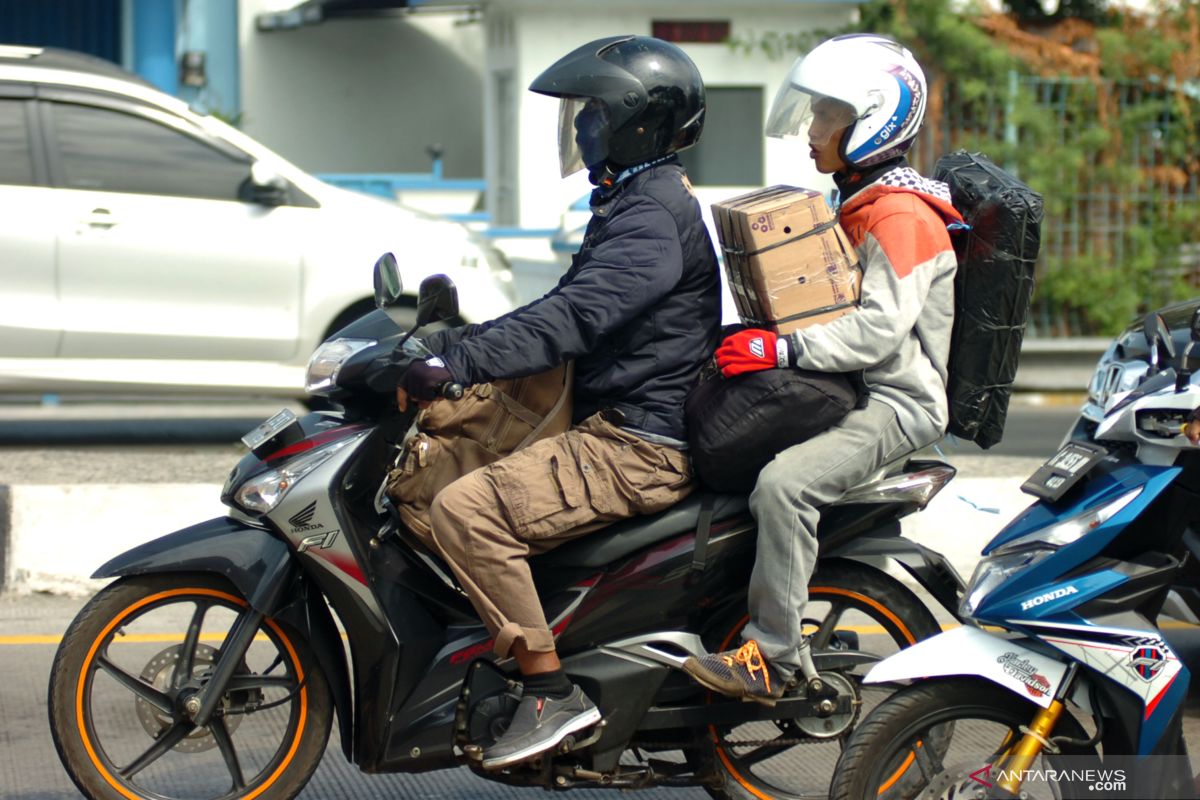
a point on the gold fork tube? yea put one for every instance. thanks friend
(1023, 754)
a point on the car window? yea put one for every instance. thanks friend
(105, 150)
(16, 159)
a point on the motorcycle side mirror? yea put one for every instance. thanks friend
(437, 300)
(1158, 340)
(388, 285)
(1185, 364)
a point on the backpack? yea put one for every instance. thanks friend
(997, 251)
(737, 425)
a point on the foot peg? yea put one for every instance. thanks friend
(588, 741)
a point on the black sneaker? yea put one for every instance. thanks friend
(740, 673)
(538, 725)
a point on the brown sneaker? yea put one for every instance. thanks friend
(740, 673)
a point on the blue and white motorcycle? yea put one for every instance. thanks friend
(1063, 681)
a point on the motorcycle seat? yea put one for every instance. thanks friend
(622, 538)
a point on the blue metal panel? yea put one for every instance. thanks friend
(211, 28)
(90, 26)
(154, 43)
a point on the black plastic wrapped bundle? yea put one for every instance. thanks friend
(992, 290)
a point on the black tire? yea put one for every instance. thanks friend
(104, 713)
(846, 586)
(881, 762)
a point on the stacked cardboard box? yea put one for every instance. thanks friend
(788, 262)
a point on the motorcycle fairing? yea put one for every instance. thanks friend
(970, 651)
(1103, 485)
(997, 606)
(1138, 659)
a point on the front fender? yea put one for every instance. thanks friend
(970, 651)
(257, 563)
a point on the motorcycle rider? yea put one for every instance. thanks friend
(859, 100)
(639, 312)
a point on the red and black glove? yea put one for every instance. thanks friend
(752, 350)
(423, 379)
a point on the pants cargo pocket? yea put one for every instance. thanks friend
(542, 496)
(669, 482)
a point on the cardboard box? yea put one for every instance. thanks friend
(788, 262)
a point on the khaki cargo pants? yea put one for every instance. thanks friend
(487, 523)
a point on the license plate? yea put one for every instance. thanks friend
(269, 429)
(1063, 470)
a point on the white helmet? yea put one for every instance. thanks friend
(870, 84)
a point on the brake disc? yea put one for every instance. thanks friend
(157, 673)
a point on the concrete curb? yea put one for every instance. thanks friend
(60, 534)
(54, 537)
(5, 535)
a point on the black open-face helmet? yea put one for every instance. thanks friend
(626, 100)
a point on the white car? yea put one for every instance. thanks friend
(148, 247)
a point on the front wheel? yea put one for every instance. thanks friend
(123, 674)
(850, 607)
(947, 738)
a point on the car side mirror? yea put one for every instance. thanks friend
(267, 187)
(437, 300)
(388, 285)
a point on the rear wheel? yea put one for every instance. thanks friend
(851, 607)
(129, 662)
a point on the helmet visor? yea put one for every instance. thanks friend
(583, 132)
(814, 118)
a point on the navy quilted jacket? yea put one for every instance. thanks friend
(639, 310)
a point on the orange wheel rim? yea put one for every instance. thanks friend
(81, 684)
(812, 590)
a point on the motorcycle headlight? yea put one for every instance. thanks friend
(326, 363)
(262, 493)
(995, 570)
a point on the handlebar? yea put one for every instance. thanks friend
(451, 390)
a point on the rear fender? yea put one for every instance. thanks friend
(930, 568)
(970, 651)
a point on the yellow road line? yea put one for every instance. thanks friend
(131, 638)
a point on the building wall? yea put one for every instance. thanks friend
(538, 33)
(365, 95)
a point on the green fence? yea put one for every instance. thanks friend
(1117, 166)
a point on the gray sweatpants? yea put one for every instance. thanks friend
(785, 501)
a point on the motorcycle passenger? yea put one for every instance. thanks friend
(639, 312)
(859, 101)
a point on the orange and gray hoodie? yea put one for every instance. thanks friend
(900, 335)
